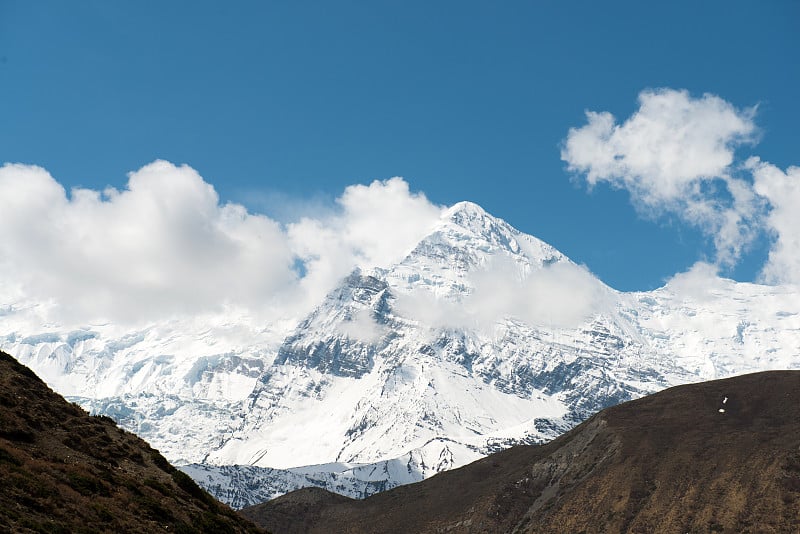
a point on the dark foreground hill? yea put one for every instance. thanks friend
(720, 456)
(62, 470)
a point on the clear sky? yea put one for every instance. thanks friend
(282, 105)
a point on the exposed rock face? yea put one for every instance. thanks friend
(720, 456)
(342, 355)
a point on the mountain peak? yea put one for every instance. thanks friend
(473, 218)
(467, 236)
(465, 207)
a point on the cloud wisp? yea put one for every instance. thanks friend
(560, 295)
(677, 155)
(166, 245)
(782, 190)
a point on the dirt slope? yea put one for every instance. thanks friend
(63, 470)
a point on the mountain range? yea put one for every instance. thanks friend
(480, 338)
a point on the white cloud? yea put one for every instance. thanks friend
(384, 220)
(434, 312)
(782, 190)
(674, 155)
(166, 246)
(363, 327)
(664, 148)
(561, 295)
(376, 226)
(698, 283)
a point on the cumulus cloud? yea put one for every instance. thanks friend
(377, 225)
(782, 190)
(668, 144)
(674, 155)
(165, 245)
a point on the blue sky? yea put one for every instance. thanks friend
(278, 103)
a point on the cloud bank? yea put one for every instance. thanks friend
(166, 245)
(676, 155)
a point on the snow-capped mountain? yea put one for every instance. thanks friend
(480, 337)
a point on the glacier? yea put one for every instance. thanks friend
(481, 337)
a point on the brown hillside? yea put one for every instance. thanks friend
(63, 470)
(670, 462)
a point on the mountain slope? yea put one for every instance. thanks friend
(65, 471)
(720, 456)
